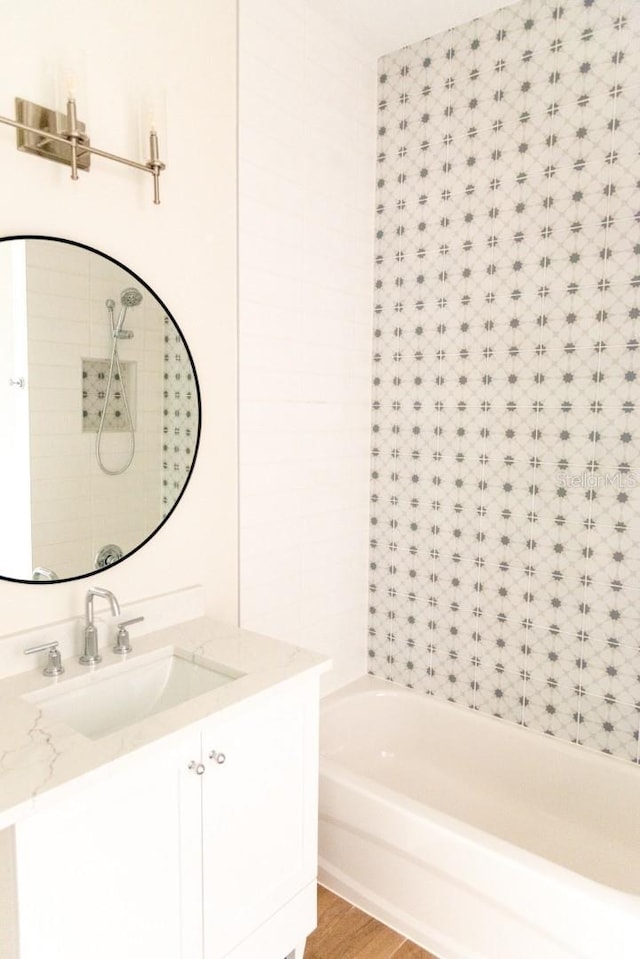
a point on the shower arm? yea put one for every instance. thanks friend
(45, 143)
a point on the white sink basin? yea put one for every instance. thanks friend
(112, 698)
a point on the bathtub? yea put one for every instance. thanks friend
(474, 837)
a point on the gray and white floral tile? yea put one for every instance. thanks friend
(180, 414)
(505, 546)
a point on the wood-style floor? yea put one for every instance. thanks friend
(345, 932)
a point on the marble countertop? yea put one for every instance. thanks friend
(41, 758)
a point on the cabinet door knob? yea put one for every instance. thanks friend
(219, 757)
(198, 768)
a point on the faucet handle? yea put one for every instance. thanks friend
(54, 666)
(123, 645)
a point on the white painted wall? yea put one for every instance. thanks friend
(383, 26)
(184, 249)
(307, 149)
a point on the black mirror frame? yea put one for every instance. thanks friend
(169, 314)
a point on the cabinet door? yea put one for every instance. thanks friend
(259, 813)
(98, 873)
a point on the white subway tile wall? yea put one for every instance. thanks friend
(307, 176)
(76, 509)
(505, 525)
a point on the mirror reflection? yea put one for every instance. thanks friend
(99, 410)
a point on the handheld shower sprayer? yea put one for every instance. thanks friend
(130, 297)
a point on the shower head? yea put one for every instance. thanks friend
(110, 305)
(130, 297)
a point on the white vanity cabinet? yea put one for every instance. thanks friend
(98, 869)
(258, 783)
(202, 850)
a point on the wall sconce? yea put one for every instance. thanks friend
(62, 137)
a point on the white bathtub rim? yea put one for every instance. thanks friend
(517, 857)
(368, 686)
(387, 687)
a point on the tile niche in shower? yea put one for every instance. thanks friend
(95, 378)
(505, 533)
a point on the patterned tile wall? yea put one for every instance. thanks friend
(179, 416)
(95, 378)
(505, 532)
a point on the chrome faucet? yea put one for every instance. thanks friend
(90, 655)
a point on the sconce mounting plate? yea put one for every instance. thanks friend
(46, 121)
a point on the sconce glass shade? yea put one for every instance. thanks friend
(152, 117)
(71, 82)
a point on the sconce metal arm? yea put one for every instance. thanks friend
(71, 134)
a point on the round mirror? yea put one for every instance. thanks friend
(99, 410)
